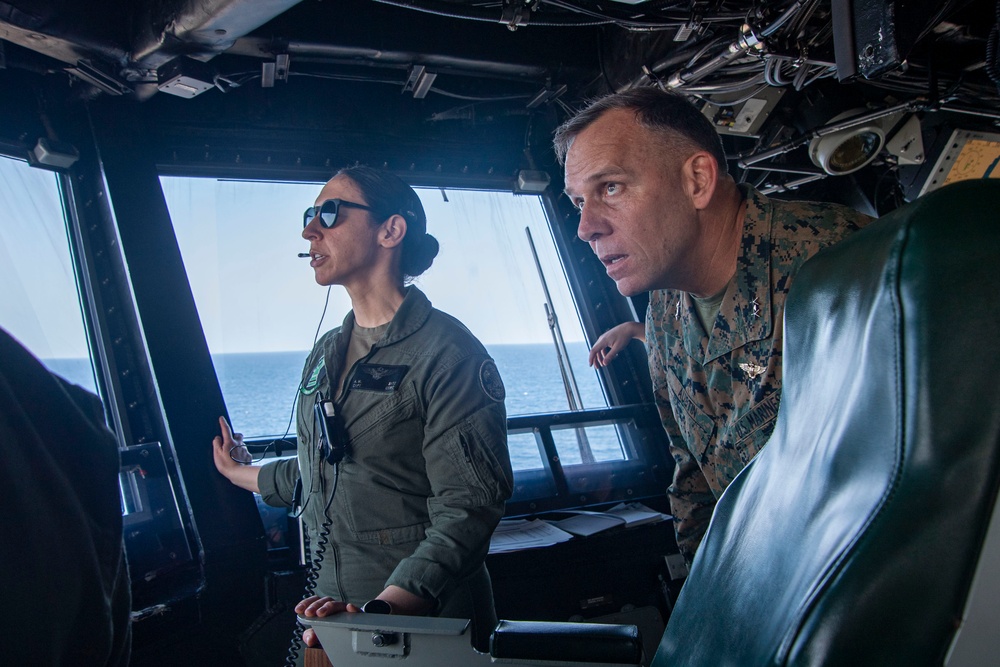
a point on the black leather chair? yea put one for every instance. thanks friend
(854, 537)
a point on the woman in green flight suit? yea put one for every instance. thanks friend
(402, 468)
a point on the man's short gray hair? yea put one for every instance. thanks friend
(657, 110)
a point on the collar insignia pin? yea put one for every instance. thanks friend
(756, 307)
(677, 310)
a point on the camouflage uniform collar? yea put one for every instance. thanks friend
(745, 313)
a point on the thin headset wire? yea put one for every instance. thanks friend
(295, 399)
(322, 316)
(312, 479)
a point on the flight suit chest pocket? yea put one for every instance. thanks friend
(381, 415)
(696, 427)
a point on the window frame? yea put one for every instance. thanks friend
(128, 397)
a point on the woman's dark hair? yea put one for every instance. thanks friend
(657, 110)
(389, 195)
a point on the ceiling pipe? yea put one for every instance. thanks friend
(265, 48)
(199, 29)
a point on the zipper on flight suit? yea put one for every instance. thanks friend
(338, 405)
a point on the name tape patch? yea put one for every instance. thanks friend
(377, 377)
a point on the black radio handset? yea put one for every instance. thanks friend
(332, 441)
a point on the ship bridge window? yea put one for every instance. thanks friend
(41, 304)
(261, 309)
(43, 307)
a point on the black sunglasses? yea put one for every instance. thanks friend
(327, 212)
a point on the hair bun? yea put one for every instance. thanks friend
(430, 245)
(422, 253)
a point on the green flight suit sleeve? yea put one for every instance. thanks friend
(277, 480)
(468, 466)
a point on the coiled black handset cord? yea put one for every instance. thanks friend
(313, 566)
(323, 538)
(332, 449)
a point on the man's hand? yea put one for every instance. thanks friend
(613, 341)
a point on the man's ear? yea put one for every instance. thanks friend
(392, 231)
(701, 175)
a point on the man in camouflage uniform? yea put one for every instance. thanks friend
(647, 172)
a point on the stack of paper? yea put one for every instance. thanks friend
(637, 514)
(585, 523)
(517, 534)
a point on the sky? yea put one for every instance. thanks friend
(38, 297)
(239, 242)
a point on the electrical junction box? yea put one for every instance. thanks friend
(185, 77)
(731, 115)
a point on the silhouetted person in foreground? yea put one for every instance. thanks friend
(64, 583)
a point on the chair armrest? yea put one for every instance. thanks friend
(570, 642)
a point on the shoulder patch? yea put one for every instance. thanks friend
(489, 379)
(312, 383)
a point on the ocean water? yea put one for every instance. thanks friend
(260, 389)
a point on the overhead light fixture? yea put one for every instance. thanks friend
(530, 181)
(843, 151)
(51, 154)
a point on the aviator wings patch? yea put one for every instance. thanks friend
(377, 377)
